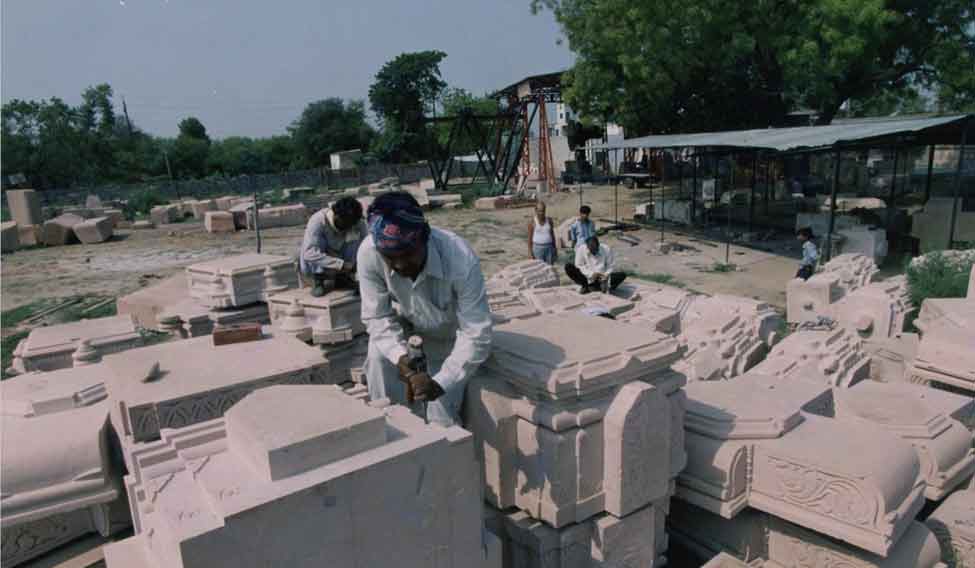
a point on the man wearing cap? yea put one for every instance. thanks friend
(434, 279)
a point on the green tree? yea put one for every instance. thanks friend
(191, 151)
(668, 65)
(327, 126)
(402, 92)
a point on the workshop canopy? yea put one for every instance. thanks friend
(878, 132)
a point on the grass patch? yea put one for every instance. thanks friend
(11, 318)
(659, 278)
(722, 267)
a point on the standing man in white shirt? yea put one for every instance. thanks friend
(434, 278)
(594, 268)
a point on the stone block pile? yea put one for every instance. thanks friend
(601, 427)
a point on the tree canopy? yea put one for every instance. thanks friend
(402, 92)
(328, 126)
(668, 65)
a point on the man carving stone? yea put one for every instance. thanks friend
(435, 281)
(328, 251)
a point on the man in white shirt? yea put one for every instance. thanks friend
(328, 250)
(435, 281)
(594, 268)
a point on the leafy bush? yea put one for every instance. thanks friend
(938, 276)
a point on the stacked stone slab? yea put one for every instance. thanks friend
(9, 237)
(240, 280)
(188, 318)
(584, 436)
(282, 216)
(756, 443)
(25, 206)
(953, 523)
(337, 483)
(661, 308)
(51, 348)
(200, 208)
(181, 383)
(725, 336)
(219, 222)
(60, 230)
(58, 481)
(568, 299)
(524, 275)
(333, 322)
(808, 300)
(92, 231)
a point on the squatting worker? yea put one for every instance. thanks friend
(435, 280)
(328, 251)
(541, 236)
(594, 268)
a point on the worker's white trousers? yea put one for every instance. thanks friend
(383, 381)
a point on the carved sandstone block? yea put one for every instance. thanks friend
(50, 348)
(240, 280)
(30, 235)
(405, 490)
(944, 354)
(144, 305)
(25, 206)
(953, 523)
(538, 407)
(810, 299)
(836, 356)
(173, 385)
(331, 319)
(57, 480)
(525, 275)
(163, 214)
(943, 445)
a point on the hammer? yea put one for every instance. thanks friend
(418, 362)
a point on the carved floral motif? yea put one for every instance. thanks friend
(822, 492)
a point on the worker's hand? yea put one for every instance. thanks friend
(403, 366)
(424, 387)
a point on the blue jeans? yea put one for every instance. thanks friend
(545, 253)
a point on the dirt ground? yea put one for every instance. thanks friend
(135, 258)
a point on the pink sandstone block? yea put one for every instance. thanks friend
(944, 354)
(538, 411)
(225, 203)
(25, 206)
(145, 305)
(50, 348)
(241, 280)
(330, 319)
(93, 231)
(116, 215)
(322, 428)
(167, 386)
(943, 445)
(524, 275)
(30, 235)
(757, 539)
(141, 225)
(219, 222)
(751, 444)
(198, 502)
(953, 523)
(60, 230)
(57, 482)
(164, 214)
(9, 237)
(201, 207)
(836, 357)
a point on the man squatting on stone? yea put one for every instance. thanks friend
(328, 251)
(594, 267)
(435, 279)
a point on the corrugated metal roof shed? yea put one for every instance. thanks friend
(796, 138)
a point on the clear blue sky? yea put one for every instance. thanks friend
(248, 67)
